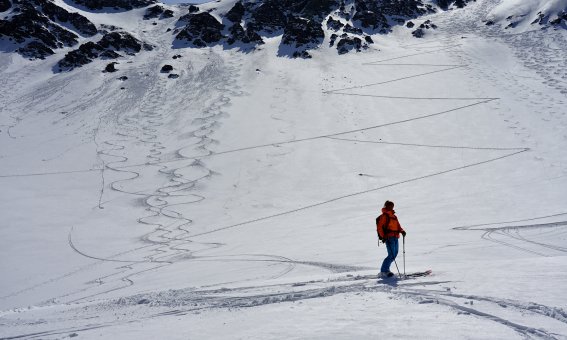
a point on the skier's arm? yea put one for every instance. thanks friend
(402, 231)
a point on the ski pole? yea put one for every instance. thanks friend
(404, 247)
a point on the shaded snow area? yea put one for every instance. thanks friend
(237, 200)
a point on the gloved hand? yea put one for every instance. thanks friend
(403, 233)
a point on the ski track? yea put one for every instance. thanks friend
(189, 301)
(172, 237)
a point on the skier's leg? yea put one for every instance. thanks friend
(395, 247)
(389, 259)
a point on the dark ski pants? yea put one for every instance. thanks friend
(392, 246)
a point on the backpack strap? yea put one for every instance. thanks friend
(385, 226)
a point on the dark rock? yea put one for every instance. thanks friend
(368, 39)
(560, 17)
(349, 29)
(108, 54)
(104, 29)
(193, 9)
(541, 19)
(445, 4)
(123, 78)
(269, 16)
(157, 12)
(373, 15)
(418, 33)
(110, 67)
(201, 29)
(347, 44)
(427, 24)
(334, 24)
(56, 13)
(5, 5)
(35, 50)
(313, 9)
(333, 39)
(253, 36)
(166, 68)
(199, 43)
(489, 23)
(460, 3)
(237, 33)
(410, 24)
(177, 56)
(115, 4)
(302, 32)
(122, 41)
(153, 12)
(236, 12)
(105, 49)
(301, 54)
(31, 25)
(85, 54)
(369, 19)
(173, 76)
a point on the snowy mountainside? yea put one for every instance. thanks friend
(233, 194)
(524, 15)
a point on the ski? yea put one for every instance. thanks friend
(418, 274)
(406, 276)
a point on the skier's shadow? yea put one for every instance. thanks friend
(392, 282)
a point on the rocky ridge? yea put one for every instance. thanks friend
(38, 28)
(300, 22)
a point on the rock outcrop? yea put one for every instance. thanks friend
(107, 48)
(158, 12)
(202, 29)
(302, 33)
(39, 27)
(5, 5)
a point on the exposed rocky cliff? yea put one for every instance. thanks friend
(38, 28)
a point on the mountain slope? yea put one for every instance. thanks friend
(237, 199)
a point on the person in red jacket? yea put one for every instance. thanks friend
(389, 229)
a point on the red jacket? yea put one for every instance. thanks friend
(393, 227)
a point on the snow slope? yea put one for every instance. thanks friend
(524, 14)
(238, 201)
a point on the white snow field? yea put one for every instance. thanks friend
(238, 201)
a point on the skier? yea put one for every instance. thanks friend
(389, 230)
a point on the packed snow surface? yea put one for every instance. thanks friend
(238, 200)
